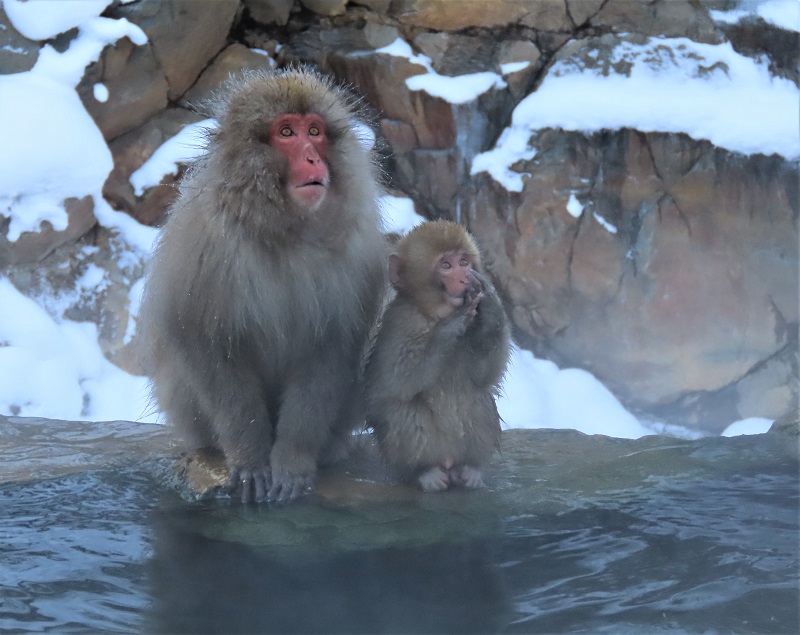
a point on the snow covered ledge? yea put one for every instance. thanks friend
(707, 91)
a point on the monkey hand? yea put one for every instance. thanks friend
(434, 479)
(472, 298)
(491, 316)
(287, 486)
(479, 279)
(293, 471)
(467, 476)
(251, 484)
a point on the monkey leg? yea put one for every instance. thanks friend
(313, 405)
(230, 398)
(178, 401)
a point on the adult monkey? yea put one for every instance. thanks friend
(266, 280)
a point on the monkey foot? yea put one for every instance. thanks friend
(252, 484)
(434, 480)
(287, 487)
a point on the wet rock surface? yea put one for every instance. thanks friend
(573, 533)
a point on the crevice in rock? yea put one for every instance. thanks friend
(782, 328)
(646, 143)
(702, 155)
(633, 251)
(681, 214)
(788, 348)
(572, 242)
(569, 15)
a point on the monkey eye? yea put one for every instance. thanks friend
(314, 131)
(286, 131)
(446, 265)
(464, 262)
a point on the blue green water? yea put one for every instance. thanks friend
(118, 550)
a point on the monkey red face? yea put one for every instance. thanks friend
(303, 140)
(453, 268)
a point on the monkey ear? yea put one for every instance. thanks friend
(394, 271)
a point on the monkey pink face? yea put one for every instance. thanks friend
(303, 140)
(453, 268)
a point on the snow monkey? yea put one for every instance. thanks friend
(438, 360)
(266, 280)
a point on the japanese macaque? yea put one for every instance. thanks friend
(266, 280)
(438, 360)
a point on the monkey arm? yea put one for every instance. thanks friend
(216, 403)
(315, 402)
(411, 352)
(488, 338)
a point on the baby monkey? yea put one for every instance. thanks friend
(438, 360)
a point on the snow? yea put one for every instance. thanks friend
(399, 214)
(365, 134)
(100, 92)
(537, 394)
(606, 225)
(674, 85)
(754, 425)
(513, 67)
(455, 90)
(51, 366)
(184, 147)
(38, 20)
(48, 368)
(574, 206)
(72, 158)
(36, 182)
(784, 14)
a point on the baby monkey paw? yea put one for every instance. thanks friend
(434, 479)
(467, 476)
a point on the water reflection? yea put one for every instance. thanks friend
(201, 584)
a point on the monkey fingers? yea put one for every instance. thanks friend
(434, 479)
(476, 281)
(471, 308)
(467, 476)
(252, 484)
(475, 288)
(286, 487)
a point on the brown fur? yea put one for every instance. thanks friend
(432, 382)
(257, 310)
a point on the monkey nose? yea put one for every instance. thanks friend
(311, 154)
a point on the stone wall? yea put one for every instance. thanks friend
(688, 312)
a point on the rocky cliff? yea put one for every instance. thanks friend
(665, 262)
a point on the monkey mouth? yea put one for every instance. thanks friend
(311, 193)
(314, 183)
